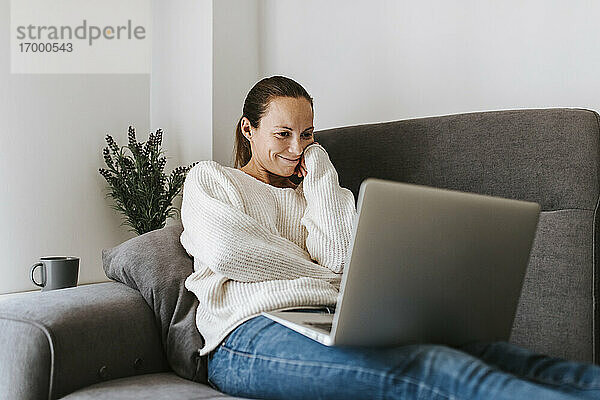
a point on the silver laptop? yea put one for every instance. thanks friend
(426, 265)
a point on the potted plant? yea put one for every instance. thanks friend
(137, 183)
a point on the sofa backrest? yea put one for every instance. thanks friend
(549, 156)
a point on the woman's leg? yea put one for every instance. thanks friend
(567, 376)
(263, 359)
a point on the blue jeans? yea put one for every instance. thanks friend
(263, 359)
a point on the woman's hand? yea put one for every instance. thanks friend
(301, 167)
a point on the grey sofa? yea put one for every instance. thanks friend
(101, 340)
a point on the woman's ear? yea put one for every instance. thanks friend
(246, 128)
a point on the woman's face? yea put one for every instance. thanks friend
(283, 133)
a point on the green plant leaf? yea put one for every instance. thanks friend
(137, 184)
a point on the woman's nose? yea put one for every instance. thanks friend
(296, 147)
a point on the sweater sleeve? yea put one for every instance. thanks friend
(220, 235)
(330, 211)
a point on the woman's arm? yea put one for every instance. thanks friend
(330, 211)
(219, 234)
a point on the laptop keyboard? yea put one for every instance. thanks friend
(323, 310)
(321, 325)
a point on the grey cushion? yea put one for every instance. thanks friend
(156, 264)
(162, 386)
(556, 296)
(550, 156)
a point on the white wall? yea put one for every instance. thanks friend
(52, 131)
(181, 82)
(236, 68)
(205, 59)
(181, 79)
(370, 61)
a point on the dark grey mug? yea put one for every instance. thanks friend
(57, 272)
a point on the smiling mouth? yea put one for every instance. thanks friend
(287, 159)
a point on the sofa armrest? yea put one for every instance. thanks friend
(53, 343)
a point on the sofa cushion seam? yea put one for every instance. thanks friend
(49, 337)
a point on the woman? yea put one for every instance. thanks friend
(260, 241)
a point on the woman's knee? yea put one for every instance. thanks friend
(438, 359)
(431, 352)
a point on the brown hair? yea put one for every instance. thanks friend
(255, 106)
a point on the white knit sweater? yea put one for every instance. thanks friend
(257, 247)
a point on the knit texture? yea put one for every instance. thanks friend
(259, 248)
